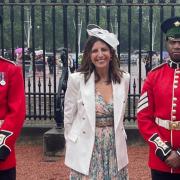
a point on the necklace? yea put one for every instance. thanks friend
(103, 82)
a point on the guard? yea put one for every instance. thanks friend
(158, 112)
(12, 115)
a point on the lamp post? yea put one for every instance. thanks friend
(38, 35)
(79, 27)
(27, 27)
(79, 36)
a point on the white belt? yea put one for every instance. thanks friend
(170, 125)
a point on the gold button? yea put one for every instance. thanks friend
(173, 111)
(174, 98)
(174, 117)
(175, 86)
(173, 125)
(176, 77)
(174, 105)
(175, 82)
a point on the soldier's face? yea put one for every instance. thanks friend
(173, 47)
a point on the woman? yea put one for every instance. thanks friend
(94, 110)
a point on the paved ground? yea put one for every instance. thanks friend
(32, 166)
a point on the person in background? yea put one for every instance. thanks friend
(27, 60)
(64, 59)
(39, 64)
(19, 58)
(143, 69)
(155, 59)
(51, 62)
(71, 63)
(94, 109)
(158, 112)
(147, 64)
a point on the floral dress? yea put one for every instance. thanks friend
(103, 164)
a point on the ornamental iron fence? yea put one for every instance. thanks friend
(45, 37)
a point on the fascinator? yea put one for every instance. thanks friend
(105, 35)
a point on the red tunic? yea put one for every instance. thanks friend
(161, 93)
(12, 108)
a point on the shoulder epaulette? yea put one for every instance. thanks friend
(12, 62)
(159, 66)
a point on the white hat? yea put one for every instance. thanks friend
(109, 38)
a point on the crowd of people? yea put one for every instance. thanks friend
(39, 60)
(147, 62)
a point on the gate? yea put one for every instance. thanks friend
(36, 33)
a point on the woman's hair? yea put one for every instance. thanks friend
(87, 67)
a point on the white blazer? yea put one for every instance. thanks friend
(80, 117)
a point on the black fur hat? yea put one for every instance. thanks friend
(171, 27)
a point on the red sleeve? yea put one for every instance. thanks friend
(146, 119)
(15, 106)
(145, 110)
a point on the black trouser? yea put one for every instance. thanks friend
(159, 175)
(9, 174)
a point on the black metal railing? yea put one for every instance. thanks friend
(32, 31)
